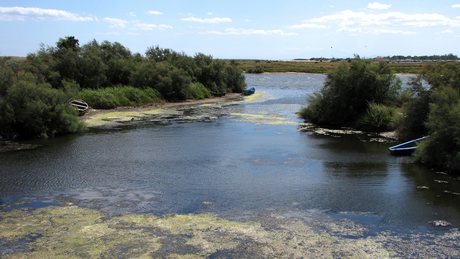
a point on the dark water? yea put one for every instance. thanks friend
(234, 164)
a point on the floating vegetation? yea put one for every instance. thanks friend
(70, 231)
(258, 96)
(115, 118)
(201, 112)
(330, 132)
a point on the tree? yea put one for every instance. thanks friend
(158, 54)
(68, 43)
(442, 149)
(349, 89)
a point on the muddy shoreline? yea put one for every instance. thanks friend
(153, 106)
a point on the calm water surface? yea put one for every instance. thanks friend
(251, 157)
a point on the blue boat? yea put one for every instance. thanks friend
(249, 91)
(405, 148)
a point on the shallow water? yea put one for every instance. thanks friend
(249, 157)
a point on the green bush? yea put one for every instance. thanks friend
(411, 124)
(112, 97)
(344, 98)
(256, 70)
(198, 91)
(377, 118)
(442, 149)
(34, 110)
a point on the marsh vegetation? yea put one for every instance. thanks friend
(368, 96)
(35, 91)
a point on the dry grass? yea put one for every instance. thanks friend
(313, 66)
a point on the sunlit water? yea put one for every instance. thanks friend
(247, 158)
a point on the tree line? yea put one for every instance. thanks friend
(368, 96)
(34, 93)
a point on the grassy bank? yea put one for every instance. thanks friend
(313, 66)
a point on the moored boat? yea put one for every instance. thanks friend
(405, 148)
(249, 91)
(80, 106)
(217, 94)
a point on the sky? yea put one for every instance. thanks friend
(251, 29)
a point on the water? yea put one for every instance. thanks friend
(251, 157)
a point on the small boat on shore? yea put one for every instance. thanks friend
(405, 148)
(80, 106)
(249, 91)
(217, 94)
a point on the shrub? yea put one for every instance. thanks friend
(442, 149)
(256, 70)
(35, 110)
(198, 91)
(377, 118)
(112, 97)
(347, 91)
(234, 79)
(415, 113)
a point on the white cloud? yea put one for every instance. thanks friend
(134, 25)
(447, 31)
(378, 6)
(108, 33)
(308, 25)
(234, 31)
(164, 27)
(207, 20)
(132, 14)
(144, 26)
(32, 13)
(392, 22)
(394, 32)
(456, 5)
(154, 12)
(116, 23)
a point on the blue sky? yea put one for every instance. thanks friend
(239, 29)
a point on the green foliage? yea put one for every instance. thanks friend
(442, 74)
(33, 110)
(415, 112)
(112, 97)
(347, 91)
(68, 43)
(158, 54)
(442, 149)
(377, 118)
(108, 75)
(234, 80)
(198, 91)
(256, 70)
(6, 77)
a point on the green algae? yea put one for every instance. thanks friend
(73, 232)
(202, 112)
(265, 118)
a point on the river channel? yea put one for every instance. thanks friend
(246, 160)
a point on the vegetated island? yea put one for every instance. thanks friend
(35, 91)
(366, 95)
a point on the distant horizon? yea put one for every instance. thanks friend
(288, 59)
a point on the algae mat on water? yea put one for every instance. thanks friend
(71, 231)
(74, 232)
